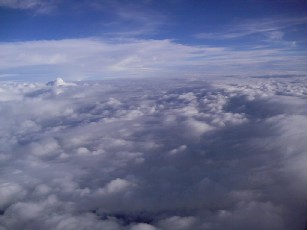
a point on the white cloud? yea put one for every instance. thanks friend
(47, 147)
(10, 193)
(143, 227)
(154, 154)
(198, 127)
(180, 149)
(115, 186)
(252, 215)
(97, 59)
(178, 222)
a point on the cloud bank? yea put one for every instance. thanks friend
(80, 59)
(154, 154)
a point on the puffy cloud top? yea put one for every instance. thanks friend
(154, 154)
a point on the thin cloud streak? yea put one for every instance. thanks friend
(125, 18)
(265, 26)
(39, 6)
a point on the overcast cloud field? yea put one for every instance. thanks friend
(228, 153)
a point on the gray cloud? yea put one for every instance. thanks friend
(154, 154)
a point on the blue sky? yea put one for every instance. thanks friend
(76, 40)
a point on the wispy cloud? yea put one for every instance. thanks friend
(118, 18)
(39, 6)
(270, 28)
(125, 18)
(96, 58)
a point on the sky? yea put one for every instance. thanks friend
(90, 40)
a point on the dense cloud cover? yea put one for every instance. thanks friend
(154, 154)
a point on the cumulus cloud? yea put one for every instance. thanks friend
(228, 153)
(115, 186)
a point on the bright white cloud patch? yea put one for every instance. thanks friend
(154, 154)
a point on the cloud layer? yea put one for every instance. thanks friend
(154, 154)
(97, 59)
